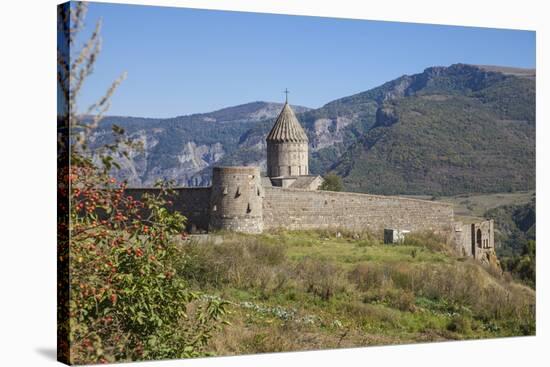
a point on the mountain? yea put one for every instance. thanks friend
(447, 130)
(180, 148)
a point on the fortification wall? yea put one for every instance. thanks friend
(192, 202)
(238, 202)
(303, 209)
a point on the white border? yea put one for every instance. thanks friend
(27, 151)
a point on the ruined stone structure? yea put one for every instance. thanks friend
(240, 200)
(476, 240)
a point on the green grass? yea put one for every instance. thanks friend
(477, 204)
(347, 251)
(303, 290)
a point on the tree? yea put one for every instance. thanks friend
(121, 298)
(332, 182)
(524, 266)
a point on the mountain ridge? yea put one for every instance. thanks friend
(500, 97)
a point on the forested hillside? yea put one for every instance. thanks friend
(461, 130)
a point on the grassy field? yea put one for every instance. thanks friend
(475, 205)
(320, 289)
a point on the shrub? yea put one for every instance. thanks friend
(458, 284)
(321, 278)
(460, 324)
(400, 299)
(373, 314)
(429, 240)
(240, 262)
(404, 301)
(332, 182)
(271, 342)
(126, 302)
(461, 283)
(368, 276)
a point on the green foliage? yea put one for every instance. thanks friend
(323, 279)
(246, 263)
(455, 133)
(515, 225)
(126, 302)
(332, 182)
(460, 324)
(515, 237)
(426, 240)
(523, 266)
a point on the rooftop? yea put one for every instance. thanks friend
(287, 128)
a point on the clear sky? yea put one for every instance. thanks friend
(181, 61)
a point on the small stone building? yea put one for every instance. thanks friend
(475, 239)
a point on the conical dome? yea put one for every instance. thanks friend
(287, 128)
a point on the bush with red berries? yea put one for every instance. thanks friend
(126, 301)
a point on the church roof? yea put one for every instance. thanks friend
(287, 128)
(310, 182)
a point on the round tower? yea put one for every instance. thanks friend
(236, 199)
(287, 146)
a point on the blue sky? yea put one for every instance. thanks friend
(181, 61)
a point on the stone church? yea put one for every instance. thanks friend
(287, 153)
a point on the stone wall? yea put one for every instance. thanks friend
(303, 209)
(190, 201)
(462, 239)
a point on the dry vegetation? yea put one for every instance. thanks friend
(321, 289)
(476, 205)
